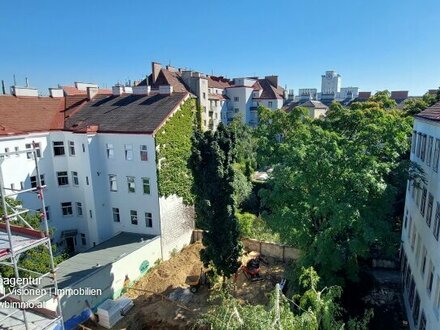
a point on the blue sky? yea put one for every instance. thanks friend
(373, 44)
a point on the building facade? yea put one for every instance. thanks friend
(98, 159)
(420, 250)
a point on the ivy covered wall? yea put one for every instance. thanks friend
(173, 149)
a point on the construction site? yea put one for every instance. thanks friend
(164, 299)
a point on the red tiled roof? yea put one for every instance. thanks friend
(30, 114)
(270, 91)
(216, 97)
(431, 113)
(218, 82)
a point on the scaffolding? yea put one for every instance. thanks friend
(19, 310)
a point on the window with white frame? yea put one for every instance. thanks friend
(419, 144)
(66, 208)
(414, 141)
(113, 182)
(75, 179)
(83, 147)
(429, 209)
(79, 209)
(128, 151)
(34, 182)
(236, 99)
(430, 279)
(58, 148)
(83, 239)
(144, 152)
(63, 179)
(423, 147)
(6, 151)
(110, 150)
(71, 148)
(29, 154)
(131, 185)
(437, 222)
(116, 216)
(423, 263)
(429, 150)
(436, 155)
(423, 202)
(270, 103)
(17, 149)
(148, 219)
(134, 217)
(146, 186)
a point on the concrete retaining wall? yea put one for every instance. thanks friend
(282, 252)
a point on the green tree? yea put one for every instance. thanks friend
(384, 99)
(416, 105)
(329, 193)
(211, 163)
(313, 309)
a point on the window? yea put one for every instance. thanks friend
(412, 289)
(429, 209)
(422, 325)
(430, 279)
(29, 153)
(58, 148)
(236, 110)
(429, 150)
(116, 217)
(423, 265)
(90, 214)
(436, 155)
(204, 95)
(437, 221)
(423, 147)
(83, 239)
(75, 179)
(414, 141)
(146, 185)
(419, 242)
(6, 151)
(418, 194)
(47, 213)
(236, 99)
(113, 183)
(87, 180)
(423, 202)
(128, 151)
(270, 104)
(79, 209)
(144, 153)
(34, 181)
(110, 150)
(71, 148)
(83, 147)
(131, 184)
(17, 149)
(419, 144)
(67, 208)
(12, 186)
(148, 219)
(63, 179)
(134, 217)
(437, 294)
(416, 310)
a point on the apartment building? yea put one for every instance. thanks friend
(420, 250)
(98, 158)
(221, 99)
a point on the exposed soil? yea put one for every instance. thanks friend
(155, 310)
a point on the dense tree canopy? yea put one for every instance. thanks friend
(329, 193)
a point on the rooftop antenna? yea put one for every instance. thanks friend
(15, 81)
(27, 82)
(3, 87)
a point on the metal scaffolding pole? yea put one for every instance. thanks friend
(12, 213)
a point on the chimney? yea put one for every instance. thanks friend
(56, 92)
(23, 91)
(128, 90)
(165, 89)
(273, 80)
(171, 68)
(155, 69)
(117, 90)
(91, 92)
(141, 90)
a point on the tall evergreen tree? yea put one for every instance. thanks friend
(211, 163)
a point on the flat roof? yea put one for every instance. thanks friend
(35, 321)
(93, 260)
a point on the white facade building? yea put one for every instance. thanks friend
(101, 180)
(330, 83)
(420, 253)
